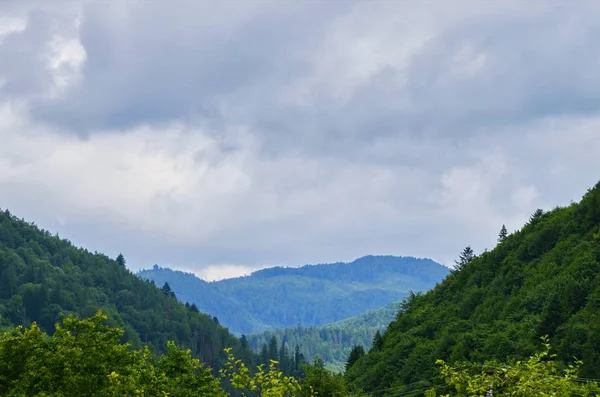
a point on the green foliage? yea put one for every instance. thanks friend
(43, 276)
(312, 295)
(356, 353)
(265, 383)
(536, 376)
(333, 342)
(321, 382)
(87, 358)
(541, 280)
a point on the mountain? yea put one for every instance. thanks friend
(541, 280)
(333, 342)
(311, 295)
(43, 276)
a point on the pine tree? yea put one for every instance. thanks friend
(357, 352)
(273, 352)
(244, 342)
(166, 289)
(466, 256)
(377, 341)
(121, 260)
(503, 234)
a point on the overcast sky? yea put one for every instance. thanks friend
(218, 137)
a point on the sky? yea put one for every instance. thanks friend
(222, 137)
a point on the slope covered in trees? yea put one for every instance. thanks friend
(541, 280)
(43, 276)
(312, 295)
(331, 343)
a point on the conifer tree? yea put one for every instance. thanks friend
(377, 341)
(503, 234)
(357, 352)
(466, 256)
(121, 260)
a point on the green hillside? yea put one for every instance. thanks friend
(333, 342)
(541, 280)
(43, 276)
(312, 295)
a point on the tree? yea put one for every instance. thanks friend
(166, 289)
(265, 382)
(377, 341)
(466, 256)
(318, 381)
(244, 342)
(357, 352)
(121, 260)
(537, 376)
(273, 351)
(503, 234)
(86, 358)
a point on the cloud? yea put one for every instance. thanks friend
(190, 134)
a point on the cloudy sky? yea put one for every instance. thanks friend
(218, 137)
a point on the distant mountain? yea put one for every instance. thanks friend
(333, 342)
(311, 295)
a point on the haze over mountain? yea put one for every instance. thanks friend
(311, 295)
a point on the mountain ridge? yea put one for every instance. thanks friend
(310, 295)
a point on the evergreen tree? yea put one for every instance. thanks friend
(121, 260)
(377, 341)
(166, 289)
(503, 234)
(244, 342)
(357, 352)
(264, 355)
(273, 352)
(466, 256)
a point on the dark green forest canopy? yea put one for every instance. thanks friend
(311, 295)
(43, 276)
(541, 280)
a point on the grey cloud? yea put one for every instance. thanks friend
(299, 132)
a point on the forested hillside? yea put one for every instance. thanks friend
(43, 276)
(541, 280)
(333, 342)
(312, 295)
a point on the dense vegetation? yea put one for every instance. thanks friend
(87, 358)
(331, 343)
(312, 295)
(541, 280)
(43, 276)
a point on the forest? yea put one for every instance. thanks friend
(521, 319)
(332, 343)
(43, 277)
(543, 280)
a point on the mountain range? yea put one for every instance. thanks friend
(311, 295)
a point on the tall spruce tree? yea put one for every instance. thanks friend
(357, 352)
(503, 234)
(466, 256)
